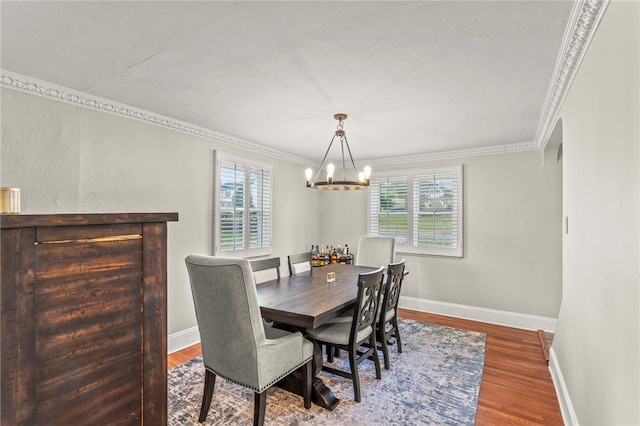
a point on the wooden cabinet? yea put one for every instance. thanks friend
(84, 323)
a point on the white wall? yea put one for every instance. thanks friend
(343, 217)
(68, 159)
(597, 342)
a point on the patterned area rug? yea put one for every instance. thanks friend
(434, 381)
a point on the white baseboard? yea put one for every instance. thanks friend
(566, 408)
(491, 316)
(183, 339)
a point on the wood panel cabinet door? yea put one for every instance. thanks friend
(84, 322)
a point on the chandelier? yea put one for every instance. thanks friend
(361, 179)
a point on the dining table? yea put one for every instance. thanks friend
(308, 300)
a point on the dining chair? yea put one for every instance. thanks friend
(352, 335)
(299, 262)
(375, 251)
(387, 316)
(265, 269)
(235, 344)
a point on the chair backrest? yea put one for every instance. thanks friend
(375, 251)
(369, 285)
(299, 262)
(228, 314)
(265, 269)
(395, 275)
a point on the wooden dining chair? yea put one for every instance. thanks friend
(351, 336)
(387, 323)
(235, 344)
(299, 262)
(375, 251)
(260, 266)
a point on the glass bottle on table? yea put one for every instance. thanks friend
(334, 256)
(314, 255)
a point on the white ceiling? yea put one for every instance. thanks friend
(415, 77)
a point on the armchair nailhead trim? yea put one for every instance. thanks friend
(266, 386)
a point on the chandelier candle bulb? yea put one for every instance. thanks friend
(309, 174)
(330, 170)
(367, 174)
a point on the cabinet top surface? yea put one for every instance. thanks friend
(8, 221)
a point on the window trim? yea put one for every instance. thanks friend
(410, 175)
(247, 251)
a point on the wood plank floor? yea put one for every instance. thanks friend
(516, 384)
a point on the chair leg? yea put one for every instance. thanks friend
(207, 395)
(307, 377)
(354, 373)
(397, 334)
(329, 353)
(259, 408)
(385, 348)
(374, 355)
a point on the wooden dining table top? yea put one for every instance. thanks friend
(306, 299)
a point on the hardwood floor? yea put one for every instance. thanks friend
(516, 384)
(184, 355)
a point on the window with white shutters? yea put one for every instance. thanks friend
(421, 208)
(389, 212)
(242, 207)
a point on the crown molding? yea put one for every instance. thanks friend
(454, 154)
(582, 24)
(21, 83)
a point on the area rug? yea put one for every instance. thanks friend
(434, 381)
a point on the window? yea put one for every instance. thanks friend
(421, 208)
(242, 207)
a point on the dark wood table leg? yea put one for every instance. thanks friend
(320, 394)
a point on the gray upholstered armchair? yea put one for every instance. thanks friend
(235, 344)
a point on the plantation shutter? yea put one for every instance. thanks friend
(436, 209)
(420, 208)
(260, 208)
(389, 208)
(232, 180)
(242, 207)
